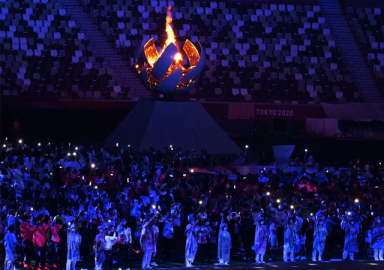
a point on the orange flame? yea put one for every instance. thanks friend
(168, 28)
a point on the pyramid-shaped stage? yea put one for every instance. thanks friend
(183, 124)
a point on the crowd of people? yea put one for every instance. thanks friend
(67, 206)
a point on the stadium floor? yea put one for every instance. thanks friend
(333, 262)
(298, 265)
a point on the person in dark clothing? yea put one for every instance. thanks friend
(202, 232)
(247, 234)
(62, 248)
(85, 246)
(55, 240)
(124, 245)
(231, 229)
(28, 192)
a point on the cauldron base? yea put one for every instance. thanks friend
(183, 124)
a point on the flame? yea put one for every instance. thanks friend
(168, 28)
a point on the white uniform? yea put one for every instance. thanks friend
(273, 235)
(260, 242)
(289, 241)
(10, 243)
(224, 245)
(190, 246)
(73, 253)
(319, 236)
(378, 240)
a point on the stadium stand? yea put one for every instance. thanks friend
(263, 52)
(368, 26)
(44, 52)
(256, 52)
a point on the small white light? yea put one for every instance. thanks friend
(20, 141)
(153, 206)
(31, 208)
(69, 154)
(4, 146)
(278, 200)
(39, 144)
(372, 213)
(69, 223)
(246, 147)
(76, 148)
(311, 214)
(192, 171)
(200, 202)
(129, 145)
(292, 206)
(93, 165)
(268, 193)
(90, 183)
(234, 186)
(356, 200)
(111, 174)
(170, 146)
(184, 175)
(109, 220)
(127, 179)
(380, 163)
(349, 213)
(95, 187)
(117, 144)
(306, 150)
(74, 153)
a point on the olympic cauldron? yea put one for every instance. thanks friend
(163, 72)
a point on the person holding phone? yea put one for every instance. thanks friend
(224, 243)
(261, 240)
(148, 242)
(319, 236)
(350, 240)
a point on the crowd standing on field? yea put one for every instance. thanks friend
(67, 206)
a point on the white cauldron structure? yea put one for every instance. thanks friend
(163, 72)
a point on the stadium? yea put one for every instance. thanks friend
(113, 95)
